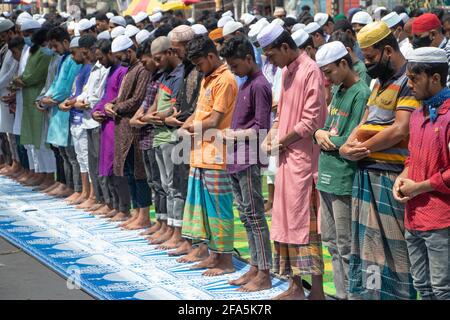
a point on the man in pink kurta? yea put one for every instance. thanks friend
(301, 111)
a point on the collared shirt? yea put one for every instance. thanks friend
(146, 133)
(384, 102)
(76, 116)
(252, 111)
(405, 47)
(93, 92)
(429, 158)
(218, 93)
(445, 44)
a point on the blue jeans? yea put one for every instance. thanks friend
(429, 255)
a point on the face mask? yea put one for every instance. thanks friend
(380, 70)
(421, 42)
(126, 62)
(28, 41)
(47, 51)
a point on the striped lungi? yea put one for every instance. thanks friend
(301, 259)
(208, 211)
(379, 262)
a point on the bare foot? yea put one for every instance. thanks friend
(86, 204)
(223, 265)
(245, 278)
(163, 238)
(138, 224)
(197, 254)
(104, 209)
(121, 216)
(210, 262)
(262, 281)
(95, 207)
(184, 248)
(158, 233)
(110, 214)
(291, 294)
(73, 197)
(153, 229)
(172, 243)
(132, 218)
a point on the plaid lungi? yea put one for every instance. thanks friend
(301, 259)
(379, 262)
(208, 211)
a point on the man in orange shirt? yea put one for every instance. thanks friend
(208, 211)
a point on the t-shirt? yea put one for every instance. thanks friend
(383, 104)
(345, 112)
(167, 96)
(218, 92)
(361, 70)
(252, 111)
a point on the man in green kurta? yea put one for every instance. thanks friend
(32, 81)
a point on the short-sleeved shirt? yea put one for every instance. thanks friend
(383, 104)
(252, 111)
(361, 70)
(346, 110)
(218, 93)
(167, 97)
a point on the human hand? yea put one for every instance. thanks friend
(109, 110)
(152, 118)
(353, 151)
(397, 193)
(323, 140)
(64, 107)
(409, 188)
(172, 119)
(98, 116)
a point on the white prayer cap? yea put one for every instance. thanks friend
(227, 14)
(41, 21)
(362, 17)
(29, 24)
(117, 31)
(231, 27)
(222, 21)
(248, 19)
(269, 34)
(312, 27)
(109, 15)
(93, 21)
(71, 26)
(298, 26)
(156, 10)
(199, 29)
(330, 52)
(321, 18)
(256, 28)
(278, 21)
(291, 16)
(191, 20)
(427, 55)
(141, 16)
(279, 11)
(404, 17)
(392, 19)
(131, 31)
(65, 15)
(6, 14)
(36, 16)
(377, 12)
(74, 42)
(121, 43)
(141, 36)
(118, 20)
(157, 17)
(5, 25)
(22, 17)
(104, 35)
(300, 37)
(84, 24)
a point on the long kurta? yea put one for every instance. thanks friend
(106, 154)
(33, 78)
(131, 95)
(60, 90)
(301, 108)
(19, 96)
(7, 72)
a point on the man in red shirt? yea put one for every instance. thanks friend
(424, 184)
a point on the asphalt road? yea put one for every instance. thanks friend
(22, 277)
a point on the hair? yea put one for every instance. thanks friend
(87, 41)
(446, 18)
(307, 19)
(59, 34)
(306, 7)
(439, 12)
(129, 20)
(344, 38)
(200, 47)
(430, 69)
(415, 13)
(16, 42)
(100, 16)
(347, 58)
(388, 41)
(309, 42)
(210, 24)
(289, 21)
(104, 45)
(343, 25)
(330, 19)
(400, 9)
(162, 31)
(38, 38)
(284, 37)
(145, 48)
(400, 24)
(237, 47)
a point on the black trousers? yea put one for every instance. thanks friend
(93, 136)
